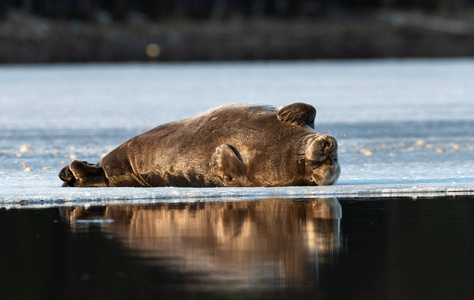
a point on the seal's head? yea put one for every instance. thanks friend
(319, 154)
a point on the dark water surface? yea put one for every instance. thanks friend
(273, 248)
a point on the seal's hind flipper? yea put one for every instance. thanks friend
(228, 165)
(83, 174)
(299, 114)
(66, 175)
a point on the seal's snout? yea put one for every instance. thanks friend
(327, 172)
(331, 148)
(329, 144)
(321, 159)
(319, 147)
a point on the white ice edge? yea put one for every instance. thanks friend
(55, 197)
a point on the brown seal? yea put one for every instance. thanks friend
(233, 145)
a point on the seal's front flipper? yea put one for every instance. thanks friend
(227, 164)
(299, 114)
(83, 174)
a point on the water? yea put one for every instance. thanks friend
(398, 223)
(404, 126)
(370, 248)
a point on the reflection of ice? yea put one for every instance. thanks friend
(404, 127)
(244, 243)
(46, 197)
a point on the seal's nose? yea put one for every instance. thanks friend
(329, 143)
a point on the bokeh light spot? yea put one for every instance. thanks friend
(153, 50)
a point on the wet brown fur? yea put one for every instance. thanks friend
(233, 145)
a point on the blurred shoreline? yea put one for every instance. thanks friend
(379, 34)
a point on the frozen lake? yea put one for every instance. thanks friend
(404, 126)
(405, 134)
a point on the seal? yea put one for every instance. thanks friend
(230, 146)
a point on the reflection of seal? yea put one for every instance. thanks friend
(234, 145)
(287, 238)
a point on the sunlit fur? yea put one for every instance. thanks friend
(232, 145)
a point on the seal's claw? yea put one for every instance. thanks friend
(299, 114)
